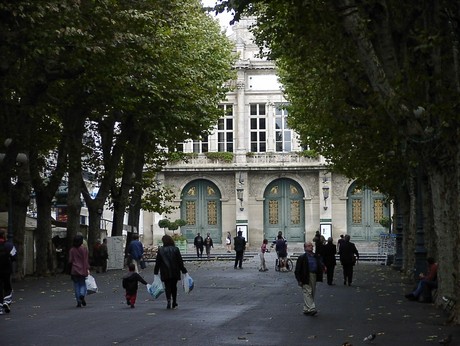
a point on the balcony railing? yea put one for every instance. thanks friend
(256, 159)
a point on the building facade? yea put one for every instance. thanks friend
(268, 183)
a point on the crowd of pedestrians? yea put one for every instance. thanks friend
(319, 258)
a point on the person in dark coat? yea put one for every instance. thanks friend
(198, 242)
(170, 264)
(239, 244)
(130, 284)
(329, 251)
(208, 244)
(348, 257)
(281, 251)
(309, 270)
(8, 255)
(319, 241)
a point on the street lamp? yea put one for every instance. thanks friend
(239, 195)
(325, 196)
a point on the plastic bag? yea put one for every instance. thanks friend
(91, 286)
(187, 283)
(156, 288)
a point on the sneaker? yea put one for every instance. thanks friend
(78, 305)
(168, 306)
(1, 311)
(83, 302)
(6, 307)
(132, 306)
(410, 296)
(174, 305)
(310, 313)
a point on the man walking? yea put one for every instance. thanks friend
(136, 251)
(308, 270)
(239, 246)
(348, 257)
(198, 242)
(7, 256)
(208, 244)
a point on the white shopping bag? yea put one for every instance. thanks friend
(156, 288)
(91, 286)
(187, 283)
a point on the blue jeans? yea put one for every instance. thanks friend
(79, 286)
(421, 285)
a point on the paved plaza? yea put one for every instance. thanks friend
(226, 307)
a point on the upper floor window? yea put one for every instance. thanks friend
(258, 127)
(201, 146)
(225, 129)
(283, 134)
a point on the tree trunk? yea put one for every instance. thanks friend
(20, 199)
(44, 255)
(446, 228)
(409, 231)
(118, 218)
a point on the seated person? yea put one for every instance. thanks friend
(427, 282)
(281, 250)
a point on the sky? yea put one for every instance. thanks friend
(224, 18)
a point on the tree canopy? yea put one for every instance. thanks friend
(373, 86)
(104, 89)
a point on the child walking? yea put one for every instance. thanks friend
(130, 284)
(263, 250)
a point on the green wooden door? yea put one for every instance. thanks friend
(284, 210)
(365, 209)
(201, 208)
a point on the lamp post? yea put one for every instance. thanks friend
(325, 196)
(239, 195)
(420, 250)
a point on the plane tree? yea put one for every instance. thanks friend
(374, 86)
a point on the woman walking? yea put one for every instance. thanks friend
(170, 264)
(78, 260)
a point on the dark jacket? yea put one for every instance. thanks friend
(208, 242)
(347, 252)
(130, 282)
(7, 256)
(239, 244)
(329, 251)
(302, 270)
(169, 263)
(198, 241)
(281, 247)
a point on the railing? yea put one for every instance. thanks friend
(252, 158)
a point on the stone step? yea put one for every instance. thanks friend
(187, 257)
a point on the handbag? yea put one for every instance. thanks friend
(187, 283)
(143, 264)
(91, 286)
(156, 288)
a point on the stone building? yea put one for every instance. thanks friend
(268, 183)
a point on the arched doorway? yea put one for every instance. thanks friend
(284, 210)
(365, 209)
(201, 208)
